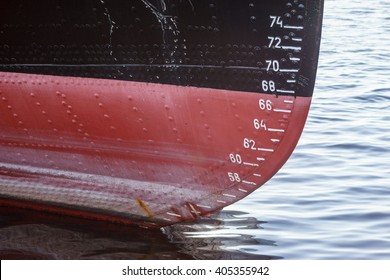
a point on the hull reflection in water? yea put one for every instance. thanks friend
(36, 235)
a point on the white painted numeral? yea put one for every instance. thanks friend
(268, 86)
(259, 124)
(249, 144)
(274, 42)
(234, 177)
(265, 104)
(272, 65)
(235, 158)
(276, 20)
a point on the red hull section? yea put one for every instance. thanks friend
(141, 153)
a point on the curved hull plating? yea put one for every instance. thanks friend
(156, 142)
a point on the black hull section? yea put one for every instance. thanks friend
(220, 44)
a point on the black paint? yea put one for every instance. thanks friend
(204, 43)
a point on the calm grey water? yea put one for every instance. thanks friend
(330, 201)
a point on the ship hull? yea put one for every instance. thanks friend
(155, 143)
